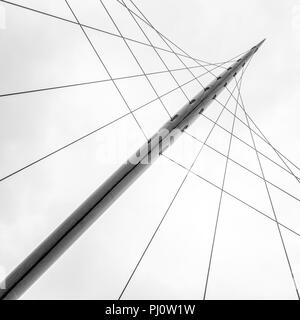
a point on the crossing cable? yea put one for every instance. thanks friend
(93, 131)
(119, 118)
(233, 196)
(146, 21)
(181, 61)
(243, 167)
(264, 139)
(254, 131)
(125, 114)
(247, 144)
(90, 133)
(157, 53)
(169, 207)
(99, 57)
(273, 210)
(136, 59)
(163, 37)
(239, 119)
(281, 156)
(234, 161)
(96, 81)
(106, 69)
(94, 28)
(244, 142)
(221, 195)
(132, 53)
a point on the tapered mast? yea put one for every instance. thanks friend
(20, 279)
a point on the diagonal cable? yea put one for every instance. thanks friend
(181, 61)
(167, 211)
(274, 212)
(106, 69)
(243, 167)
(264, 139)
(220, 202)
(150, 25)
(147, 21)
(233, 196)
(238, 118)
(94, 28)
(164, 40)
(95, 82)
(247, 144)
(86, 135)
(157, 53)
(280, 156)
(198, 61)
(135, 58)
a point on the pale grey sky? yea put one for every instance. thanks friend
(39, 51)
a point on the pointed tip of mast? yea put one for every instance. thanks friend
(261, 42)
(259, 45)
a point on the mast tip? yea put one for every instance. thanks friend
(261, 42)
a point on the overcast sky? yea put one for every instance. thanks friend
(38, 51)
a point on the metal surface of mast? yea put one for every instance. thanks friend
(20, 279)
